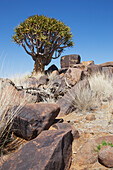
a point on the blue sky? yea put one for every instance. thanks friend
(91, 22)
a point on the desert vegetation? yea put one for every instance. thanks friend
(10, 105)
(81, 89)
(41, 37)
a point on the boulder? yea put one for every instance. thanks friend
(67, 126)
(73, 75)
(92, 69)
(33, 119)
(87, 63)
(90, 117)
(107, 64)
(6, 83)
(43, 80)
(62, 71)
(54, 74)
(30, 82)
(51, 69)
(79, 66)
(105, 156)
(89, 154)
(51, 150)
(66, 102)
(69, 60)
(57, 87)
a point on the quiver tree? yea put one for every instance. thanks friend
(42, 38)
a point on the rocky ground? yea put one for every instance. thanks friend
(90, 126)
(57, 135)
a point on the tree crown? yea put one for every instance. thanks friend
(40, 35)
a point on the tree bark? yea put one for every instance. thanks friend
(38, 67)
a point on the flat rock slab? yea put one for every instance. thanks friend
(33, 119)
(51, 150)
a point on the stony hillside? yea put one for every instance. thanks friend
(59, 120)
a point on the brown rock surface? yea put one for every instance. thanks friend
(43, 80)
(97, 130)
(51, 150)
(87, 63)
(34, 118)
(73, 75)
(87, 154)
(79, 66)
(92, 69)
(90, 117)
(70, 60)
(67, 126)
(107, 64)
(51, 69)
(105, 156)
(30, 82)
(66, 101)
(54, 73)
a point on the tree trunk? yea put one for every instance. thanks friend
(38, 67)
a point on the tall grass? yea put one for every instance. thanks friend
(102, 85)
(19, 79)
(10, 105)
(100, 90)
(83, 99)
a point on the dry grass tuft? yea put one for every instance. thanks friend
(19, 79)
(101, 89)
(102, 85)
(84, 100)
(8, 111)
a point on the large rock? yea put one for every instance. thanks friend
(66, 102)
(92, 69)
(51, 69)
(107, 64)
(30, 82)
(87, 63)
(70, 60)
(106, 156)
(67, 126)
(73, 75)
(57, 87)
(51, 150)
(33, 119)
(6, 83)
(89, 154)
(43, 80)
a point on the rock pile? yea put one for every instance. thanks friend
(45, 127)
